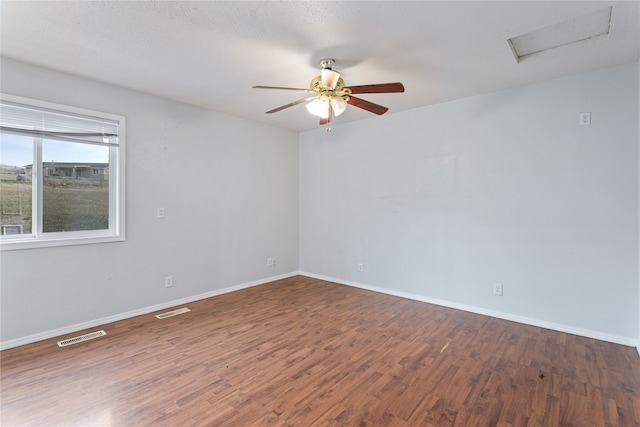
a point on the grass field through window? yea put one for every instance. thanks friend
(68, 205)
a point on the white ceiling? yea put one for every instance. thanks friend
(210, 53)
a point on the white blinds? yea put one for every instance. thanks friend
(28, 120)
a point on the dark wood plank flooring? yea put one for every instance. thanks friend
(305, 352)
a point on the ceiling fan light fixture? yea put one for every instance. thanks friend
(338, 104)
(331, 96)
(329, 77)
(319, 106)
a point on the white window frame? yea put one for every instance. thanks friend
(116, 231)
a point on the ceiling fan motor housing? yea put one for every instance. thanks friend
(319, 85)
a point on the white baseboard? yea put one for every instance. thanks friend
(478, 310)
(109, 319)
(472, 309)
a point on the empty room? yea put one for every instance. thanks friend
(319, 213)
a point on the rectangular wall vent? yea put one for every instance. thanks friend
(81, 338)
(172, 313)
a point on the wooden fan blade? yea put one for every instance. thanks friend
(326, 121)
(366, 105)
(281, 88)
(291, 104)
(378, 88)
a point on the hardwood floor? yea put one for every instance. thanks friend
(305, 352)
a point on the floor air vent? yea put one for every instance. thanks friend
(172, 313)
(81, 338)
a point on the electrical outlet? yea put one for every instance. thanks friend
(360, 267)
(497, 289)
(585, 119)
(168, 281)
(274, 261)
(160, 213)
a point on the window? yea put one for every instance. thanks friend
(61, 175)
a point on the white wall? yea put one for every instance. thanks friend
(442, 201)
(438, 203)
(229, 188)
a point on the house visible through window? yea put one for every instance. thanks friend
(62, 175)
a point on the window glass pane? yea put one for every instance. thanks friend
(16, 159)
(74, 196)
(60, 180)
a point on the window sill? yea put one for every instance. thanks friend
(49, 242)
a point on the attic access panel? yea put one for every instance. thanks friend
(581, 28)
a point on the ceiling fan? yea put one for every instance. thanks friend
(330, 95)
